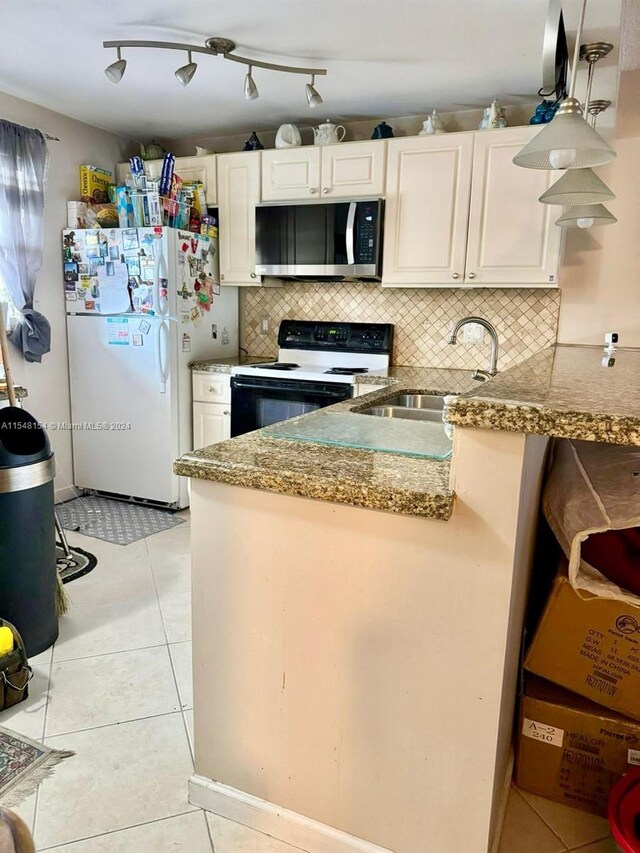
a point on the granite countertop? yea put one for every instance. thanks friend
(21, 391)
(224, 365)
(564, 391)
(370, 479)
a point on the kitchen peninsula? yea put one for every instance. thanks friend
(360, 612)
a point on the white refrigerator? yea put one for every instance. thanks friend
(141, 304)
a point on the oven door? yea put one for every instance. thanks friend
(257, 403)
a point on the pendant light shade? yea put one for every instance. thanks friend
(577, 186)
(115, 71)
(250, 88)
(186, 72)
(567, 142)
(313, 96)
(585, 216)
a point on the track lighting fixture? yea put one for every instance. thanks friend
(313, 96)
(215, 46)
(186, 72)
(115, 71)
(250, 88)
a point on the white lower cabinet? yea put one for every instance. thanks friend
(211, 423)
(364, 388)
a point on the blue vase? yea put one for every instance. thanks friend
(382, 131)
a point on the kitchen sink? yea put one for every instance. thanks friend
(417, 401)
(404, 412)
(412, 407)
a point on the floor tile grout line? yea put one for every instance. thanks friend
(116, 723)
(546, 823)
(115, 652)
(208, 828)
(589, 843)
(193, 810)
(523, 794)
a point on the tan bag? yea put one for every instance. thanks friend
(15, 672)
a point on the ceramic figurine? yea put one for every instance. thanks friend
(433, 124)
(327, 133)
(382, 131)
(288, 136)
(545, 111)
(152, 151)
(494, 117)
(253, 143)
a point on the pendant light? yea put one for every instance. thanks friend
(568, 141)
(250, 88)
(186, 72)
(115, 71)
(582, 186)
(585, 216)
(313, 96)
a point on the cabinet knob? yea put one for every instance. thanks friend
(221, 278)
(456, 275)
(226, 413)
(212, 389)
(325, 190)
(253, 275)
(471, 275)
(313, 190)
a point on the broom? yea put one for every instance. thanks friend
(61, 596)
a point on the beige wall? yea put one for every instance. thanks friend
(601, 271)
(48, 382)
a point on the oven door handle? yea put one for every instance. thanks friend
(350, 233)
(250, 386)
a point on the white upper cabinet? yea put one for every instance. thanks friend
(427, 207)
(201, 169)
(291, 173)
(344, 170)
(512, 236)
(238, 194)
(353, 169)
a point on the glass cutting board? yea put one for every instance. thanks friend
(343, 429)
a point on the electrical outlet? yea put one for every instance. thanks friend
(473, 333)
(265, 325)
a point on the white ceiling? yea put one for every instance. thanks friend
(384, 58)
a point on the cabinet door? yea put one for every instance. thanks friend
(427, 207)
(512, 237)
(211, 423)
(290, 173)
(201, 169)
(353, 169)
(238, 193)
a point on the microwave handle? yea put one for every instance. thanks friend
(350, 233)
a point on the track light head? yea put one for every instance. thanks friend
(115, 71)
(186, 72)
(313, 96)
(250, 88)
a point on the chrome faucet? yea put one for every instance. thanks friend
(481, 375)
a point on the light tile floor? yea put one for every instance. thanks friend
(116, 689)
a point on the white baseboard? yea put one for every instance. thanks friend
(285, 825)
(66, 493)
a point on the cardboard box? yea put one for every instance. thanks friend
(94, 184)
(572, 750)
(591, 646)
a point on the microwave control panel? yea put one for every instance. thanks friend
(366, 233)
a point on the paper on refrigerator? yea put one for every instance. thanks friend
(114, 295)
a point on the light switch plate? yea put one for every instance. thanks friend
(473, 333)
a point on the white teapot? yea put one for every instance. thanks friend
(288, 136)
(327, 133)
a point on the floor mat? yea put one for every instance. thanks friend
(24, 763)
(114, 521)
(75, 564)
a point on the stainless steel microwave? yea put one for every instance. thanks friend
(333, 240)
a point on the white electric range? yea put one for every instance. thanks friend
(317, 365)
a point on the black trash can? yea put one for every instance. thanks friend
(27, 530)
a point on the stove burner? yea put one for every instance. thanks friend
(280, 365)
(347, 371)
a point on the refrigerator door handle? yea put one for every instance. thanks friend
(162, 360)
(160, 272)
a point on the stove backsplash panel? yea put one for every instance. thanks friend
(526, 319)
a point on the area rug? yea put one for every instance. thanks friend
(117, 522)
(74, 564)
(24, 764)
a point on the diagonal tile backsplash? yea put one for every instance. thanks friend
(526, 319)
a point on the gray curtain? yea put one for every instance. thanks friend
(23, 165)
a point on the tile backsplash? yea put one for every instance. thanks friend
(526, 319)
